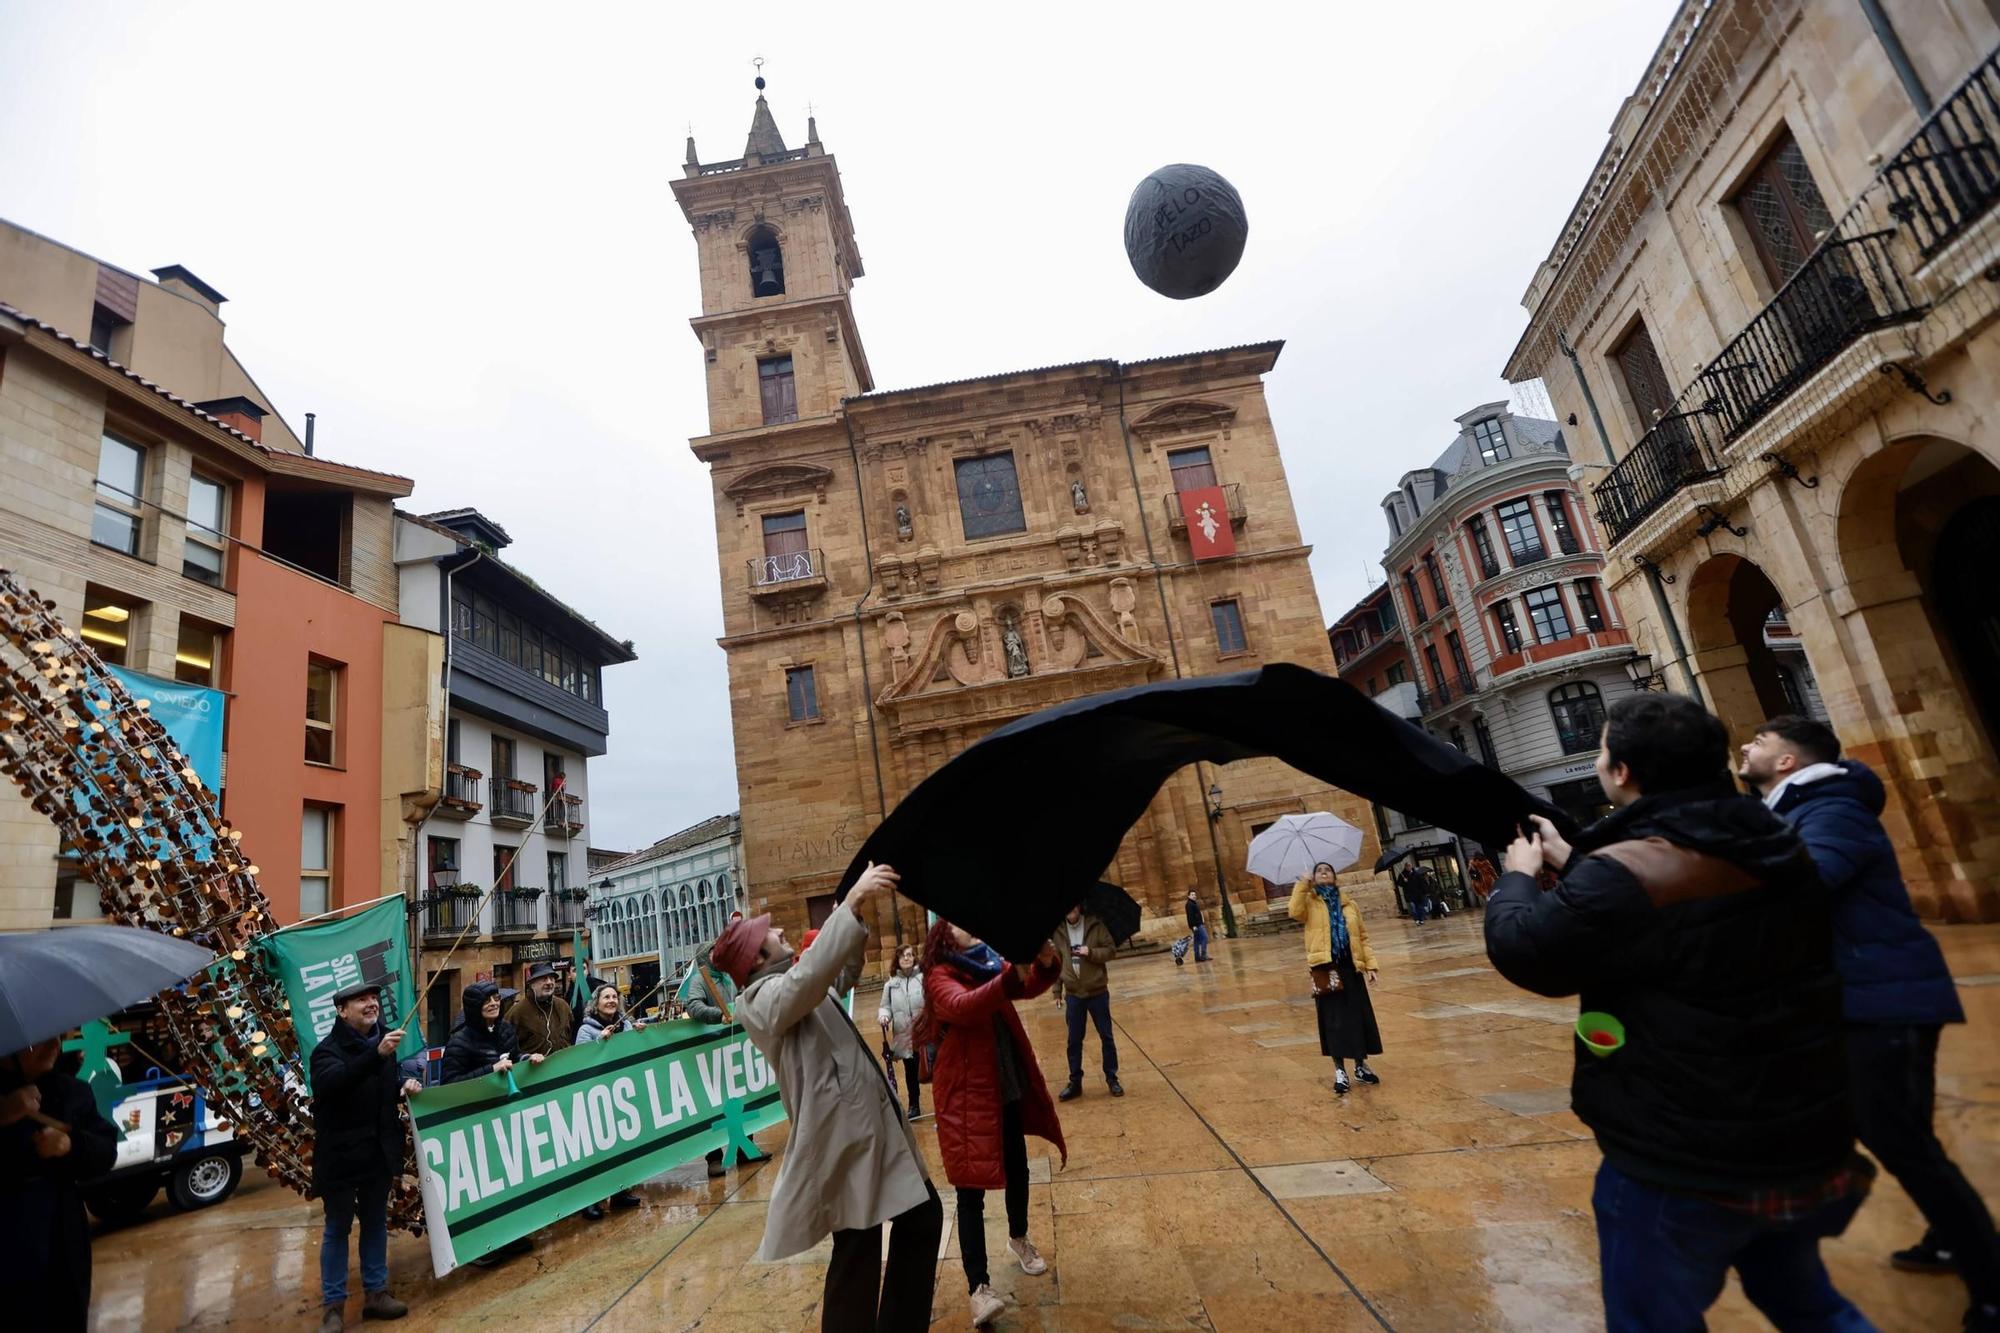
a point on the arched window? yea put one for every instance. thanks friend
(685, 912)
(767, 263)
(1579, 714)
(611, 916)
(652, 926)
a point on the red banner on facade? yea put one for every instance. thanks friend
(1207, 514)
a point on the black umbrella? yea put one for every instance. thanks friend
(54, 980)
(1113, 751)
(1390, 857)
(1116, 908)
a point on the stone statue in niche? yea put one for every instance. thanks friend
(1079, 497)
(896, 632)
(903, 529)
(1016, 650)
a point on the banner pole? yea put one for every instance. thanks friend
(338, 911)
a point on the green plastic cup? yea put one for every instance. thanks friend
(1601, 1034)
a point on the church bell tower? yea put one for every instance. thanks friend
(778, 261)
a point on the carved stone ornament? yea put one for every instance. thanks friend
(778, 479)
(904, 532)
(1079, 498)
(1184, 418)
(1072, 631)
(1016, 650)
(896, 634)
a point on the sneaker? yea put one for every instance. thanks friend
(381, 1305)
(1364, 1073)
(1071, 1091)
(331, 1320)
(716, 1170)
(626, 1199)
(986, 1305)
(1031, 1259)
(1926, 1256)
(1340, 1081)
(1117, 1088)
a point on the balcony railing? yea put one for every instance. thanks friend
(1489, 568)
(450, 915)
(518, 911)
(1567, 543)
(461, 792)
(1232, 496)
(565, 912)
(565, 816)
(514, 803)
(1949, 174)
(1450, 690)
(788, 571)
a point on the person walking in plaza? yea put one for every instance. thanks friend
(1338, 955)
(357, 1088)
(1693, 917)
(1085, 946)
(899, 1013)
(45, 1276)
(541, 1018)
(1196, 928)
(854, 1165)
(606, 1018)
(705, 995)
(1896, 992)
(990, 1094)
(1415, 895)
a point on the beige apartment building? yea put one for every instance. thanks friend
(903, 571)
(1769, 325)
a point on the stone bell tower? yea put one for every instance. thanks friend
(778, 259)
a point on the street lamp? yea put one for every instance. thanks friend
(1639, 669)
(1215, 848)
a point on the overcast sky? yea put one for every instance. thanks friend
(447, 229)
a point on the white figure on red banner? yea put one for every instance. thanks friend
(1206, 514)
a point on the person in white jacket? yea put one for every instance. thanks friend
(902, 1004)
(850, 1163)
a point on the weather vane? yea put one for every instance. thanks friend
(758, 61)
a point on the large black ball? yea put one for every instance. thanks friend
(1184, 231)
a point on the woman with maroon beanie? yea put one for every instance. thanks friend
(988, 1091)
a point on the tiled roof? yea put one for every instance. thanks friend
(289, 461)
(715, 826)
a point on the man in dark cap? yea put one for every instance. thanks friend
(541, 1018)
(357, 1148)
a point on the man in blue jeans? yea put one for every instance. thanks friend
(1085, 945)
(358, 1138)
(1695, 919)
(1196, 928)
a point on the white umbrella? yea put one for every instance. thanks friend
(1290, 848)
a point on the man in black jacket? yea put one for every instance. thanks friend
(45, 1276)
(1693, 916)
(357, 1148)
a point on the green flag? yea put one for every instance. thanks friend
(497, 1163)
(315, 961)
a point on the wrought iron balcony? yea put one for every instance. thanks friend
(1450, 690)
(1567, 543)
(1232, 495)
(451, 913)
(566, 912)
(461, 792)
(1678, 449)
(565, 816)
(788, 574)
(1949, 174)
(514, 803)
(519, 912)
(1489, 568)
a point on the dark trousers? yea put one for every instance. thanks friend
(972, 1203)
(367, 1202)
(1665, 1256)
(1893, 1075)
(863, 1298)
(1098, 1007)
(914, 1084)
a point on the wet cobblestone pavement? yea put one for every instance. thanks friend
(1228, 1190)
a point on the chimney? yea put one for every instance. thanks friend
(309, 432)
(177, 279)
(239, 413)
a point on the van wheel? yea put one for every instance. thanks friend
(122, 1200)
(204, 1180)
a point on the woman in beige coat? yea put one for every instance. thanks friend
(850, 1164)
(1337, 952)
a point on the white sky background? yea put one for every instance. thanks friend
(447, 229)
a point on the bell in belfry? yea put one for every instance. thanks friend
(1184, 230)
(767, 270)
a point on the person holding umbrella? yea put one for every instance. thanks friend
(51, 1137)
(1337, 955)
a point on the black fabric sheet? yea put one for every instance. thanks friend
(1005, 837)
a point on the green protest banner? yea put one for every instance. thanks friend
(495, 1164)
(315, 961)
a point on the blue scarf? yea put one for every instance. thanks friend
(1335, 917)
(979, 962)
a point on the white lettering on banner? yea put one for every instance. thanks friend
(756, 1073)
(677, 1088)
(624, 1092)
(734, 1065)
(487, 1184)
(463, 1187)
(709, 1063)
(538, 1139)
(510, 1148)
(572, 1136)
(603, 1117)
(322, 981)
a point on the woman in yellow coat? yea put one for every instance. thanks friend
(1337, 952)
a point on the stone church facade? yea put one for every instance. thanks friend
(903, 571)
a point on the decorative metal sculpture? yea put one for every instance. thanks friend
(94, 762)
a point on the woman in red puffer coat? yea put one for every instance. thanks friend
(988, 1092)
